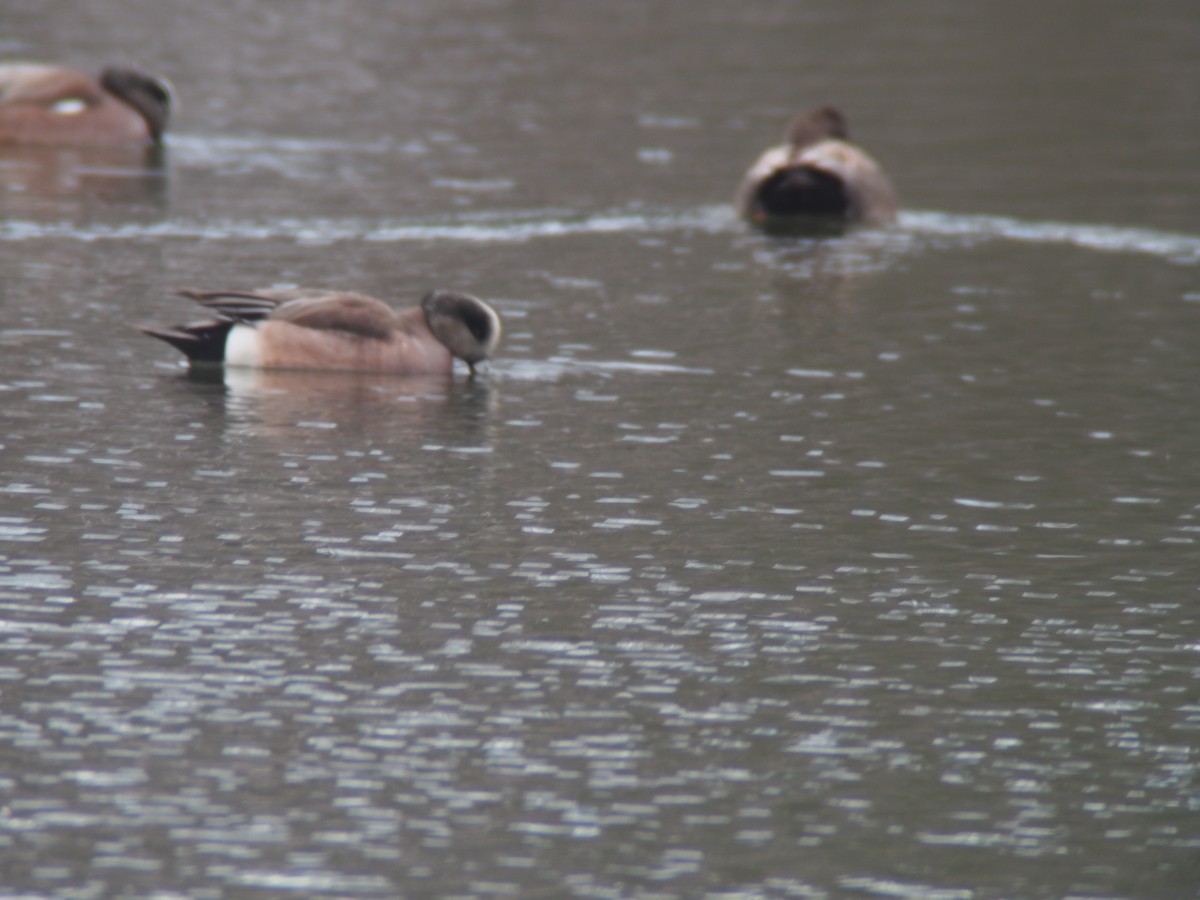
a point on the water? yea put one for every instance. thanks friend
(752, 567)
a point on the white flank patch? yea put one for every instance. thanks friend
(71, 106)
(243, 347)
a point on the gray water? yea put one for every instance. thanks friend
(752, 567)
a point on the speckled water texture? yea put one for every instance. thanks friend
(752, 567)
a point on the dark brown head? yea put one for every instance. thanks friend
(818, 124)
(469, 328)
(149, 96)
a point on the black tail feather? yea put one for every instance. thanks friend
(803, 191)
(200, 342)
(204, 341)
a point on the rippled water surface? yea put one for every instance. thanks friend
(752, 567)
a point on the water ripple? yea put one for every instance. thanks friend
(522, 226)
(515, 227)
(1174, 247)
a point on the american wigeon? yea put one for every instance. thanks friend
(335, 330)
(817, 175)
(42, 104)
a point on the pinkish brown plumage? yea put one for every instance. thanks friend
(817, 175)
(335, 330)
(41, 104)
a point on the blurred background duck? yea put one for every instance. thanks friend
(817, 177)
(43, 104)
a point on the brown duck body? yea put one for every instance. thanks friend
(335, 330)
(42, 104)
(817, 174)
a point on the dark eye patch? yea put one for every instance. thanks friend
(478, 322)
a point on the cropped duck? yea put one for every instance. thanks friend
(817, 175)
(41, 104)
(335, 330)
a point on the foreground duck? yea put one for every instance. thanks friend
(42, 104)
(335, 330)
(817, 175)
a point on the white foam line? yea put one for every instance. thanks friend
(516, 229)
(1178, 248)
(558, 367)
(231, 144)
(625, 366)
(522, 227)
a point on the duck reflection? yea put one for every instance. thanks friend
(287, 403)
(38, 181)
(820, 279)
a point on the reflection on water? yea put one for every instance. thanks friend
(267, 402)
(47, 182)
(752, 567)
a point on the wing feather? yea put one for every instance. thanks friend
(355, 314)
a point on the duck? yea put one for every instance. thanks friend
(817, 175)
(304, 328)
(46, 104)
